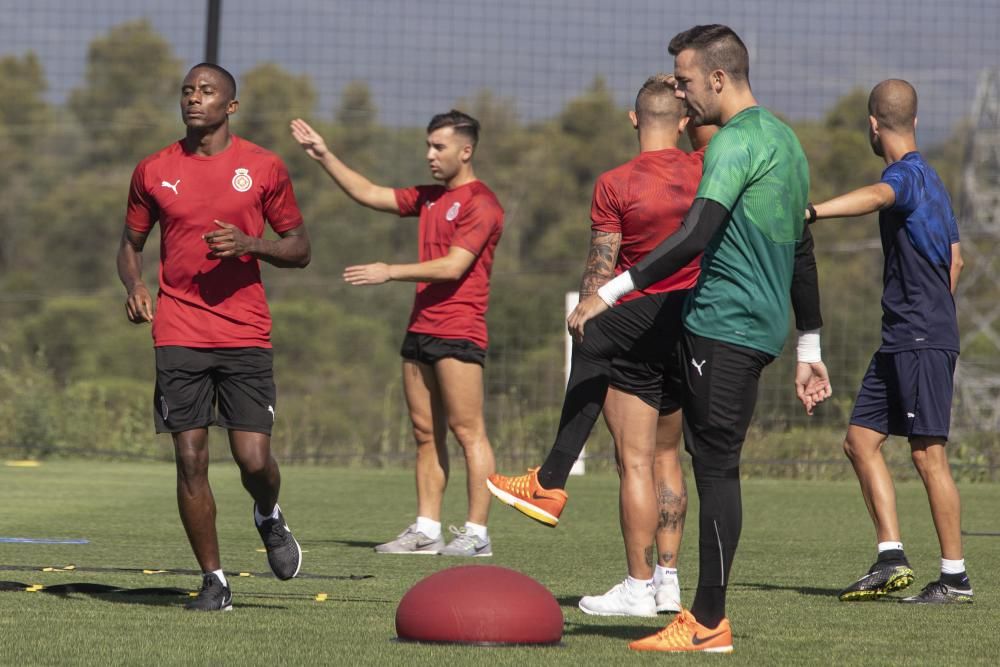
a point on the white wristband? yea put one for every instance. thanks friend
(615, 289)
(808, 351)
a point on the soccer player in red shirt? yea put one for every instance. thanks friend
(211, 193)
(445, 344)
(634, 207)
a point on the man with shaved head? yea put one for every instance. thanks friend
(634, 207)
(211, 193)
(907, 389)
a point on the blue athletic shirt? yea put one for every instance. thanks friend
(918, 310)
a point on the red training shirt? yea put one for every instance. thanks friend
(645, 200)
(470, 217)
(204, 301)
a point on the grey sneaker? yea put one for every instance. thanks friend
(468, 545)
(411, 542)
(284, 555)
(213, 596)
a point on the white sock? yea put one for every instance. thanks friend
(888, 546)
(660, 574)
(475, 529)
(637, 586)
(428, 527)
(952, 566)
(260, 518)
(220, 575)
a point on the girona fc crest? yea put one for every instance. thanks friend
(242, 181)
(452, 212)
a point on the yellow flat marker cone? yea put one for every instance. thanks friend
(34, 588)
(70, 567)
(153, 571)
(261, 551)
(22, 464)
(245, 574)
(193, 594)
(321, 597)
(48, 569)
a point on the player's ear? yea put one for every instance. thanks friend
(873, 124)
(633, 118)
(467, 151)
(682, 124)
(914, 124)
(717, 79)
(233, 107)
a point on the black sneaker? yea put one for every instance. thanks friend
(284, 554)
(883, 577)
(938, 592)
(213, 596)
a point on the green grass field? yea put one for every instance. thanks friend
(802, 542)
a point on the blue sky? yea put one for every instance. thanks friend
(419, 56)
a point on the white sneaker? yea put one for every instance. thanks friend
(668, 595)
(620, 601)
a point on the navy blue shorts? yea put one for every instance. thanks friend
(907, 393)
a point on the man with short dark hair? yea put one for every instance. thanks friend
(444, 349)
(745, 219)
(211, 193)
(907, 389)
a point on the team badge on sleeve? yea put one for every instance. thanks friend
(452, 212)
(242, 181)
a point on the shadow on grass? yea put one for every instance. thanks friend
(622, 631)
(356, 544)
(801, 590)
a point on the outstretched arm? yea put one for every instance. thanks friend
(139, 304)
(443, 269)
(357, 187)
(862, 201)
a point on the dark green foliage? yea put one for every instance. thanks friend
(75, 376)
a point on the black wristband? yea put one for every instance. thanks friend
(812, 213)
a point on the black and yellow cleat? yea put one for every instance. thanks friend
(938, 592)
(883, 577)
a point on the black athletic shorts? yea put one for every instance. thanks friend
(651, 370)
(721, 381)
(228, 387)
(657, 384)
(429, 349)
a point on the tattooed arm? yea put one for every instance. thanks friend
(601, 261)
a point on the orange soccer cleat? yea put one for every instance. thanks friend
(687, 634)
(526, 495)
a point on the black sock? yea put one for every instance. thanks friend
(709, 606)
(892, 556)
(960, 580)
(555, 471)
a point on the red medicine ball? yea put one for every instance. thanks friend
(479, 604)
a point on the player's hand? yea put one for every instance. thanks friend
(585, 311)
(812, 384)
(227, 241)
(367, 274)
(311, 141)
(139, 305)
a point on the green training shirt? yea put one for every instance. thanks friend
(755, 167)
